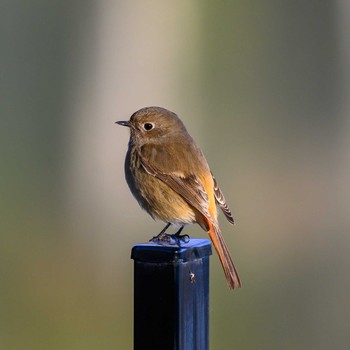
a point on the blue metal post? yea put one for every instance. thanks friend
(171, 296)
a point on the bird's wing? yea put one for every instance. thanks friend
(189, 187)
(221, 201)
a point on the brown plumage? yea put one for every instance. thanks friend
(170, 178)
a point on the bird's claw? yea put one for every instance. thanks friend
(165, 238)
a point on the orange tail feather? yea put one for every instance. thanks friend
(224, 256)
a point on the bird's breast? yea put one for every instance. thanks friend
(154, 196)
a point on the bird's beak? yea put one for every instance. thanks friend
(124, 123)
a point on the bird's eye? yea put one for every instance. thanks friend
(148, 126)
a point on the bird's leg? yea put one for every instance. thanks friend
(180, 238)
(161, 236)
(175, 238)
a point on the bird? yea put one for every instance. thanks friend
(170, 178)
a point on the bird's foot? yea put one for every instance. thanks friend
(166, 238)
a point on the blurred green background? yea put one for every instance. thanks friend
(263, 86)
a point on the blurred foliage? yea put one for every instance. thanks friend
(262, 86)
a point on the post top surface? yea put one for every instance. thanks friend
(151, 252)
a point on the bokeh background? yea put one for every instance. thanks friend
(263, 86)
